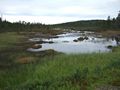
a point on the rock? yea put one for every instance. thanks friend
(37, 46)
(75, 40)
(83, 38)
(109, 46)
(39, 42)
(50, 42)
(86, 38)
(80, 38)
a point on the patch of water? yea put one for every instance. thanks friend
(64, 43)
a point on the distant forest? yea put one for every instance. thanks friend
(110, 23)
(21, 26)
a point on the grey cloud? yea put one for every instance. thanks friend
(61, 8)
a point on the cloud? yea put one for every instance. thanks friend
(80, 9)
(41, 19)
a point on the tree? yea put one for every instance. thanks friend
(108, 22)
(0, 19)
(118, 17)
(108, 18)
(118, 20)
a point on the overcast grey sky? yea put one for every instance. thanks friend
(58, 11)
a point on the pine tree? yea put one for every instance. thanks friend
(118, 20)
(0, 19)
(118, 17)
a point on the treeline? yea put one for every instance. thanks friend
(110, 23)
(20, 26)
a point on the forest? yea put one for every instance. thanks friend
(110, 23)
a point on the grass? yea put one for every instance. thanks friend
(64, 72)
(109, 33)
(60, 72)
(9, 38)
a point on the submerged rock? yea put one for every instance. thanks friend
(65, 41)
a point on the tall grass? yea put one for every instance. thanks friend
(65, 72)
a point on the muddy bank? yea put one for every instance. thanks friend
(108, 33)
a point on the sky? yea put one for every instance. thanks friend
(57, 11)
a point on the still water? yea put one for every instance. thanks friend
(65, 43)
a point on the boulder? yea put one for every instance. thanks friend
(109, 46)
(75, 40)
(80, 38)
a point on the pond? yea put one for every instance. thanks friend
(76, 42)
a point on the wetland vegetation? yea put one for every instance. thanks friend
(51, 67)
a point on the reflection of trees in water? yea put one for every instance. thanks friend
(117, 39)
(101, 40)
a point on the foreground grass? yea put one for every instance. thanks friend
(65, 72)
(60, 72)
